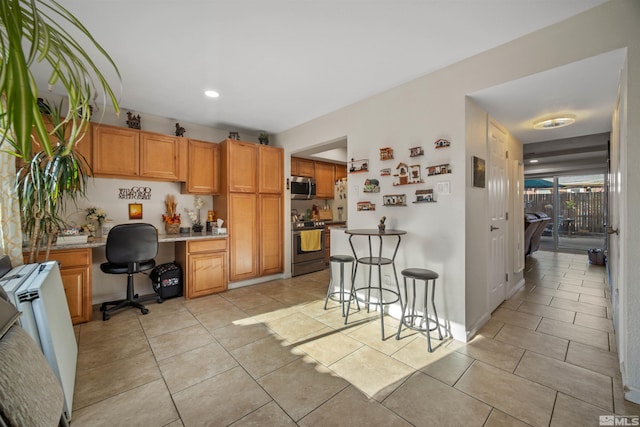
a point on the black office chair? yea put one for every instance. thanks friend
(131, 248)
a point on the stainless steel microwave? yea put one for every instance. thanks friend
(303, 187)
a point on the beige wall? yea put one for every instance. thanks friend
(434, 106)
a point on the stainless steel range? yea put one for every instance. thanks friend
(310, 258)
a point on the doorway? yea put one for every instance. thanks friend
(577, 206)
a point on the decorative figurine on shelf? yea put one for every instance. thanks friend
(234, 135)
(133, 121)
(180, 130)
(382, 226)
(263, 138)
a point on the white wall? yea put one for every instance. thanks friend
(433, 106)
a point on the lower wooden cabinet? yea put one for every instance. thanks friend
(271, 232)
(204, 266)
(75, 270)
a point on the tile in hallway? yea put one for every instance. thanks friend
(279, 358)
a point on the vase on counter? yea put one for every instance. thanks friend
(172, 227)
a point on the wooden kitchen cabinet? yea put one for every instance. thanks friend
(204, 266)
(271, 169)
(302, 167)
(130, 153)
(254, 218)
(271, 234)
(75, 271)
(203, 176)
(159, 155)
(341, 171)
(116, 151)
(243, 236)
(242, 167)
(325, 179)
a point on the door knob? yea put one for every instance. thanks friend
(611, 230)
(494, 228)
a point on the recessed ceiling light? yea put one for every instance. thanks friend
(533, 161)
(555, 121)
(211, 93)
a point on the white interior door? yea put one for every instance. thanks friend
(497, 186)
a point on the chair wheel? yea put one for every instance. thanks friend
(144, 310)
(105, 316)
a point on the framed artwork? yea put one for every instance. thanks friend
(135, 210)
(478, 172)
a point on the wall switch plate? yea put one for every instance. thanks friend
(443, 188)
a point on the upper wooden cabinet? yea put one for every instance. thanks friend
(271, 169)
(341, 171)
(159, 156)
(203, 170)
(116, 151)
(325, 179)
(242, 166)
(302, 167)
(130, 153)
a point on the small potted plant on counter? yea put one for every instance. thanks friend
(171, 219)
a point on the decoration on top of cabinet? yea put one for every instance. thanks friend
(386, 153)
(439, 169)
(416, 151)
(133, 121)
(407, 174)
(442, 143)
(234, 135)
(138, 193)
(359, 166)
(371, 186)
(263, 138)
(424, 196)
(385, 172)
(394, 200)
(180, 130)
(366, 206)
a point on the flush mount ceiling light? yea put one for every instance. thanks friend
(211, 93)
(533, 161)
(555, 121)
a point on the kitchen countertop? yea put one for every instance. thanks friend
(162, 238)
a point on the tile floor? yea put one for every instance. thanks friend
(269, 355)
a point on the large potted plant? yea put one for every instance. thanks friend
(40, 31)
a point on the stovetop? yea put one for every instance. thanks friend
(307, 225)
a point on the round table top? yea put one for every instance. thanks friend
(374, 232)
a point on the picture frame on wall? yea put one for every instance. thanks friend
(478, 175)
(135, 210)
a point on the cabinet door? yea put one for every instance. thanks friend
(73, 281)
(302, 167)
(325, 179)
(271, 165)
(341, 171)
(271, 234)
(243, 236)
(159, 156)
(206, 274)
(201, 178)
(116, 151)
(242, 167)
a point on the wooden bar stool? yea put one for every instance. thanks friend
(331, 292)
(410, 317)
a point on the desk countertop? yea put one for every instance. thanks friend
(162, 238)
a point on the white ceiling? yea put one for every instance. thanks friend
(280, 63)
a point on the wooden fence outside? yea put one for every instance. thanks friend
(587, 213)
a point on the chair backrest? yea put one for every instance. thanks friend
(132, 243)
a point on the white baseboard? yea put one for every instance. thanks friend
(477, 326)
(516, 288)
(632, 394)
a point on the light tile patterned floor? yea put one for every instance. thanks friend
(270, 355)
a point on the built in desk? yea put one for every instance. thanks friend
(366, 256)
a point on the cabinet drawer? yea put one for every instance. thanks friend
(207, 245)
(67, 257)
